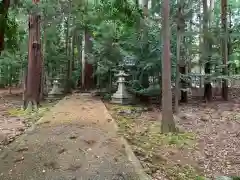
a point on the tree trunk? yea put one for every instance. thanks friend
(200, 60)
(189, 55)
(69, 82)
(224, 48)
(74, 42)
(144, 35)
(168, 124)
(10, 79)
(206, 52)
(177, 74)
(34, 63)
(79, 47)
(83, 59)
(4, 5)
(145, 8)
(179, 36)
(67, 48)
(182, 61)
(43, 77)
(88, 67)
(230, 50)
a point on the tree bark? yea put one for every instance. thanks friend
(168, 124)
(33, 86)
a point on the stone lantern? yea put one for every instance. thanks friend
(121, 96)
(56, 91)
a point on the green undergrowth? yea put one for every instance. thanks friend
(149, 144)
(31, 116)
(238, 117)
(183, 172)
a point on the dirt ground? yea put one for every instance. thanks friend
(208, 144)
(13, 120)
(10, 126)
(74, 140)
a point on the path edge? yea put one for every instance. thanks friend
(128, 150)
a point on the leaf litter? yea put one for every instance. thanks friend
(208, 145)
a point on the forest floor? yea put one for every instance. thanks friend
(208, 144)
(74, 140)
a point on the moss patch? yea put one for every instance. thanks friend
(150, 145)
(30, 116)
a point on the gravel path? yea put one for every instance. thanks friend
(75, 140)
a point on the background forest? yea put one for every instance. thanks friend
(127, 33)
